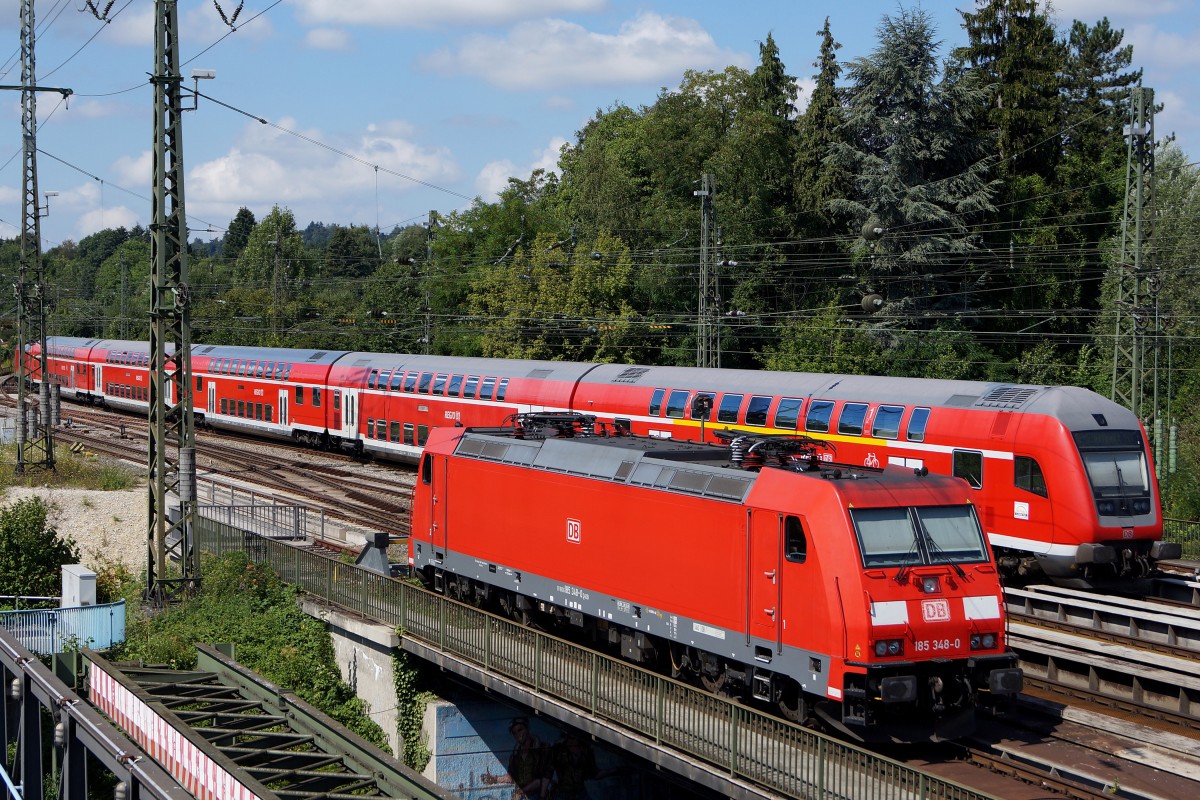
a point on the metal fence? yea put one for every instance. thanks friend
(46, 631)
(737, 740)
(269, 515)
(1186, 532)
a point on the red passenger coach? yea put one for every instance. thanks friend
(866, 597)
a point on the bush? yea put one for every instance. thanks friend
(31, 551)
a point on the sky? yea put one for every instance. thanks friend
(374, 112)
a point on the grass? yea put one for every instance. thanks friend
(71, 471)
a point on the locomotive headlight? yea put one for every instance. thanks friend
(1106, 507)
(1141, 506)
(983, 641)
(889, 647)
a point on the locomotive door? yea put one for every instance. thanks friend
(764, 586)
(434, 473)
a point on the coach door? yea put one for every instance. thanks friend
(763, 581)
(97, 386)
(212, 398)
(283, 406)
(349, 414)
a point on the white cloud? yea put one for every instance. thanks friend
(98, 219)
(268, 166)
(133, 170)
(328, 39)
(1091, 11)
(493, 177)
(427, 13)
(804, 90)
(1152, 45)
(555, 53)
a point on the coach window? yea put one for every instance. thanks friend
(199, 383)
(502, 389)
(656, 402)
(299, 395)
(241, 408)
(795, 545)
(395, 381)
(316, 396)
(788, 413)
(423, 384)
(850, 421)
(731, 404)
(410, 382)
(485, 389)
(408, 433)
(337, 401)
(469, 388)
(258, 411)
(241, 371)
(281, 371)
(676, 403)
(259, 369)
(381, 430)
(1027, 475)
(756, 412)
(224, 406)
(439, 383)
(374, 376)
(887, 422)
(370, 427)
(455, 385)
(270, 370)
(267, 411)
(819, 412)
(395, 437)
(422, 435)
(917, 423)
(968, 465)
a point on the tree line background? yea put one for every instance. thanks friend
(996, 172)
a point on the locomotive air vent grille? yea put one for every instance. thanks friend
(494, 451)
(1007, 396)
(631, 375)
(317, 355)
(623, 471)
(731, 488)
(689, 482)
(540, 373)
(961, 400)
(470, 447)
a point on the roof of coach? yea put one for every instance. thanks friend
(71, 341)
(499, 367)
(125, 346)
(866, 388)
(285, 354)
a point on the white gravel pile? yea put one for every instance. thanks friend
(105, 525)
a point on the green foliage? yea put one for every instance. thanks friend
(249, 606)
(410, 710)
(32, 552)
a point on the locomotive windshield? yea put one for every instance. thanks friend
(1117, 471)
(899, 537)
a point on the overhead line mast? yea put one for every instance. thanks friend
(172, 456)
(35, 443)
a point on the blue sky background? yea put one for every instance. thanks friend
(454, 95)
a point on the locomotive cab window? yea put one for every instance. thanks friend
(676, 403)
(887, 422)
(968, 465)
(656, 402)
(819, 412)
(427, 469)
(850, 421)
(756, 412)
(795, 545)
(1027, 475)
(788, 413)
(731, 404)
(917, 423)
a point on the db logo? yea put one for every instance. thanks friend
(574, 531)
(935, 610)
(871, 461)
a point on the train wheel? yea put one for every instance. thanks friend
(712, 679)
(789, 699)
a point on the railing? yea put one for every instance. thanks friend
(1186, 532)
(738, 741)
(268, 515)
(46, 631)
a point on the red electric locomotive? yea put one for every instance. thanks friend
(866, 597)
(1061, 476)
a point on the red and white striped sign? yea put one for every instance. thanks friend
(189, 765)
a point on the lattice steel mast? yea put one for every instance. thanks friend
(1133, 276)
(172, 456)
(708, 315)
(35, 443)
